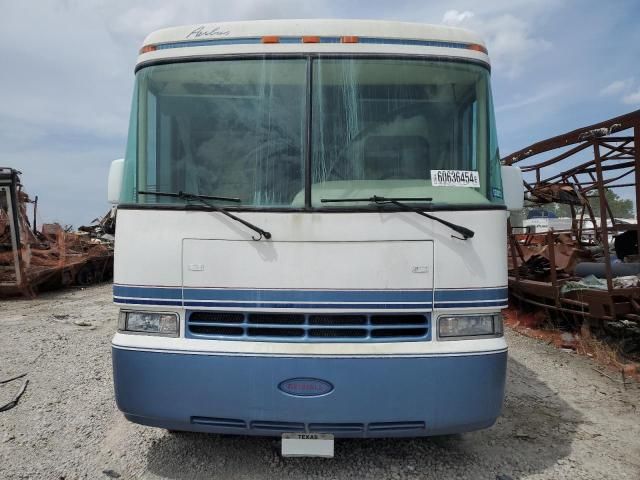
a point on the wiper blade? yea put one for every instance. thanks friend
(465, 232)
(204, 200)
(376, 199)
(183, 195)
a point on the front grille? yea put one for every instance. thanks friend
(234, 423)
(396, 426)
(279, 318)
(335, 427)
(277, 426)
(220, 317)
(219, 422)
(298, 327)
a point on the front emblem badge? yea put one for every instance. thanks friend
(305, 387)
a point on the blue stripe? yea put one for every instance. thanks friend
(471, 294)
(298, 40)
(260, 295)
(147, 292)
(345, 299)
(499, 303)
(136, 301)
(360, 306)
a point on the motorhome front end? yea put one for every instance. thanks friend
(311, 232)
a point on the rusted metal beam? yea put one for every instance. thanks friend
(604, 232)
(636, 141)
(613, 125)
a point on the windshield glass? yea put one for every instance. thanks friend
(381, 126)
(244, 128)
(225, 128)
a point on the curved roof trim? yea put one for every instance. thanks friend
(292, 28)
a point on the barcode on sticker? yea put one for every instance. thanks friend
(455, 178)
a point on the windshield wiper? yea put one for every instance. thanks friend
(203, 199)
(465, 232)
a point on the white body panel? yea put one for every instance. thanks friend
(178, 251)
(308, 265)
(322, 28)
(153, 239)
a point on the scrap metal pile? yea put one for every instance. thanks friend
(589, 269)
(32, 260)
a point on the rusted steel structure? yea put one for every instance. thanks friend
(32, 260)
(570, 169)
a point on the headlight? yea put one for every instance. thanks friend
(149, 322)
(470, 326)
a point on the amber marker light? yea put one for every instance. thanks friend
(349, 39)
(270, 39)
(310, 39)
(478, 48)
(148, 48)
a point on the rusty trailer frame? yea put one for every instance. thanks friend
(578, 165)
(31, 260)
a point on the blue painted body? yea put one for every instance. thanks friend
(311, 299)
(372, 397)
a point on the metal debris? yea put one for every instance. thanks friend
(588, 269)
(16, 398)
(2, 382)
(32, 260)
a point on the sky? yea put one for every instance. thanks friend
(66, 74)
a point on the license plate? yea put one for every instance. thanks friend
(307, 445)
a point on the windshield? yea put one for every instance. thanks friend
(245, 128)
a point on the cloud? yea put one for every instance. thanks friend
(138, 20)
(454, 17)
(67, 73)
(523, 101)
(632, 98)
(509, 39)
(617, 87)
(624, 90)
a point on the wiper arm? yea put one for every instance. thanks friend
(204, 200)
(465, 232)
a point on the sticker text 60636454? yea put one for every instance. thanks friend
(455, 178)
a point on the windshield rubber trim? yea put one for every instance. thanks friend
(309, 56)
(363, 209)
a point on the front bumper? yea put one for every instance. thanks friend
(372, 396)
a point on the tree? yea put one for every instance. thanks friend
(621, 207)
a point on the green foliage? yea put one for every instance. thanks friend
(621, 207)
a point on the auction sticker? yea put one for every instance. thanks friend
(455, 178)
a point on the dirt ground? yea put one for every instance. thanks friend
(561, 418)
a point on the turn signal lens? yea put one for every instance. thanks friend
(349, 39)
(478, 48)
(148, 48)
(271, 39)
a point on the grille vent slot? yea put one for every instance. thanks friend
(216, 317)
(278, 426)
(219, 422)
(234, 423)
(298, 327)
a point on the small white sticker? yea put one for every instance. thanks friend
(196, 267)
(455, 178)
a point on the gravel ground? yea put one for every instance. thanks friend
(561, 418)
